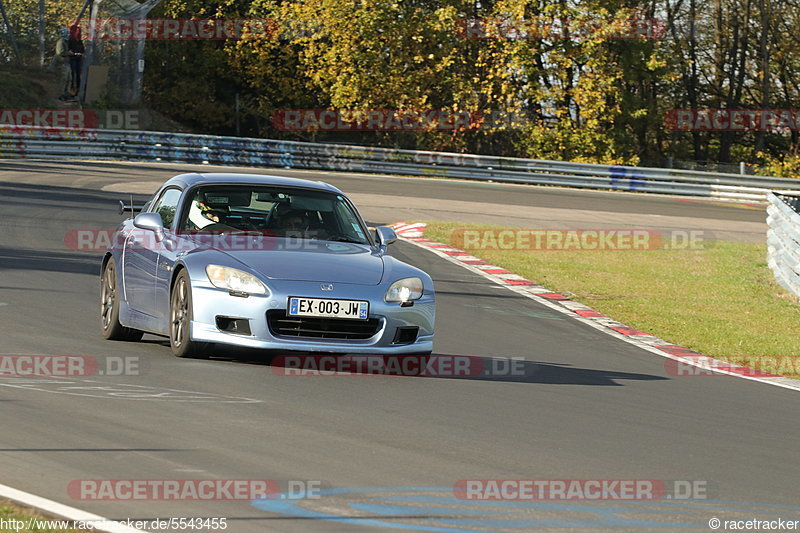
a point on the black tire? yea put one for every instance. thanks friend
(180, 318)
(109, 308)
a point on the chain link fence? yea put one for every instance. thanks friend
(34, 35)
(114, 66)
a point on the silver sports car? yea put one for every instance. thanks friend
(262, 262)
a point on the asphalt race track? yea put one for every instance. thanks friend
(386, 451)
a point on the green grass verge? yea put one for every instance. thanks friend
(10, 511)
(721, 301)
(25, 88)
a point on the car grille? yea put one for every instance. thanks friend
(321, 328)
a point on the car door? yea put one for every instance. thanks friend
(141, 253)
(177, 243)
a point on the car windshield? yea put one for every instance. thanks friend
(276, 211)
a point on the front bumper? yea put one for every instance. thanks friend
(209, 303)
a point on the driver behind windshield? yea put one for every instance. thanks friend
(292, 223)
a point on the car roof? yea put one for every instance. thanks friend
(194, 178)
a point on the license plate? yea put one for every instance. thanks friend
(326, 308)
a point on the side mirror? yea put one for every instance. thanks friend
(386, 236)
(151, 222)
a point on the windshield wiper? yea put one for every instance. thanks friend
(344, 239)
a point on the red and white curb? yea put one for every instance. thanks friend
(409, 231)
(414, 234)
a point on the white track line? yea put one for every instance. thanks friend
(65, 511)
(569, 307)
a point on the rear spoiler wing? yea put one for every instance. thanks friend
(130, 207)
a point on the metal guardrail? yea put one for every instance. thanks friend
(783, 240)
(127, 145)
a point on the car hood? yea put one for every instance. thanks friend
(334, 262)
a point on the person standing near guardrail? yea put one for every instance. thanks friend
(62, 59)
(75, 51)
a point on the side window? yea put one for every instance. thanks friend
(166, 206)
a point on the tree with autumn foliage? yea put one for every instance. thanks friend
(587, 87)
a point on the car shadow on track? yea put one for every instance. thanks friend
(49, 260)
(59, 197)
(434, 366)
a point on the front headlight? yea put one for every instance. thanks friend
(234, 280)
(404, 290)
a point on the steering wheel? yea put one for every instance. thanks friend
(221, 229)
